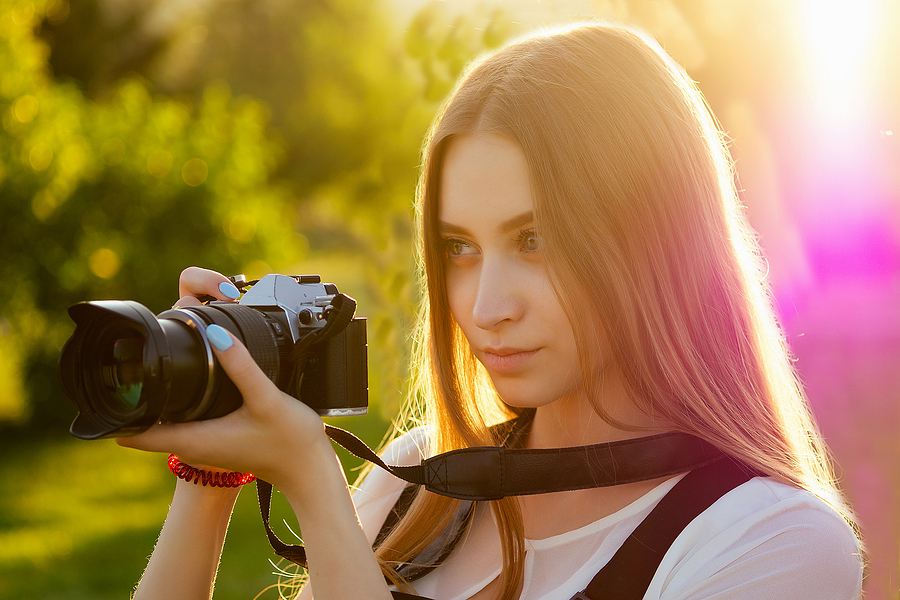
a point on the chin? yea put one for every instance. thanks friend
(525, 399)
(526, 403)
(528, 394)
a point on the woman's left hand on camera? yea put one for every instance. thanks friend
(270, 435)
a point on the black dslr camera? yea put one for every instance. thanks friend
(126, 369)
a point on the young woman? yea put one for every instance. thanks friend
(589, 270)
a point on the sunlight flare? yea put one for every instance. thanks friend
(840, 35)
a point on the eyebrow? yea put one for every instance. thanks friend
(505, 227)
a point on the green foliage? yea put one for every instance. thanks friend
(285, 138)
(443, 49)
(114, 193)
(105, 199)
(328, 70)
(95, 43)
(83, 528)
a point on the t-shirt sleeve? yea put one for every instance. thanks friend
(379, 491)
(797, 547)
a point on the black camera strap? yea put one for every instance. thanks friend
(628, 574)
(491, 473)
(338, 316)
(631, 569)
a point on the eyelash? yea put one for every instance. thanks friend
(448, 243)
(523, 234)
(443, 246)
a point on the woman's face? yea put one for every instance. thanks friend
(498, 287)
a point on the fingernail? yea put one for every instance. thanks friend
(218, 337)
(229, 290)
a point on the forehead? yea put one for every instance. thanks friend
(483, 178)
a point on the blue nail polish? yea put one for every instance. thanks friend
(229, 290)
(218, 337)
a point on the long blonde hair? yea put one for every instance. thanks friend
(642, 230)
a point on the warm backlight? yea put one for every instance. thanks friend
(840, 35)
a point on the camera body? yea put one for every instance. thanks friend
(125, 369)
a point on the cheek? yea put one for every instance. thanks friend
(560, 328)
(552, 313)
(458, 297)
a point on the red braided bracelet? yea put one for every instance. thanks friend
(217, 479)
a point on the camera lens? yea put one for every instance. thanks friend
(122, 367)
(125, 368)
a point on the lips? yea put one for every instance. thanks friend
(506, 360)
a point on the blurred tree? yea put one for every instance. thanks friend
(107, 186)
(95, 43)
(352, 101)
(104, 199)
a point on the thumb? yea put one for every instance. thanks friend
(237, 363)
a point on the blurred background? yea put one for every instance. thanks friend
(138, 137)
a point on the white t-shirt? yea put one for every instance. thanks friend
(762, 540)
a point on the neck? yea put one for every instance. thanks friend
(573, 421)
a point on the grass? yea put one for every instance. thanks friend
(79, 519)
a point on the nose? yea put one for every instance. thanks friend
(499, 298)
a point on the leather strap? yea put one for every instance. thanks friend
(295, 553)
(629, 572)
(343, 307)
(439, 548)
(491, 473)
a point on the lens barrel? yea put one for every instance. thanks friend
(125, 369)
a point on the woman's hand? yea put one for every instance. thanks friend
(270, 435)
(280, 440)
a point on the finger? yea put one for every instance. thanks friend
(193, 442)
(161, 438)
(197, 282)
(187, 301)
(238, 364)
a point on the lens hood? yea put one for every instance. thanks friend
(80, 369)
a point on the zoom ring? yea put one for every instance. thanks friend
(257, 337)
